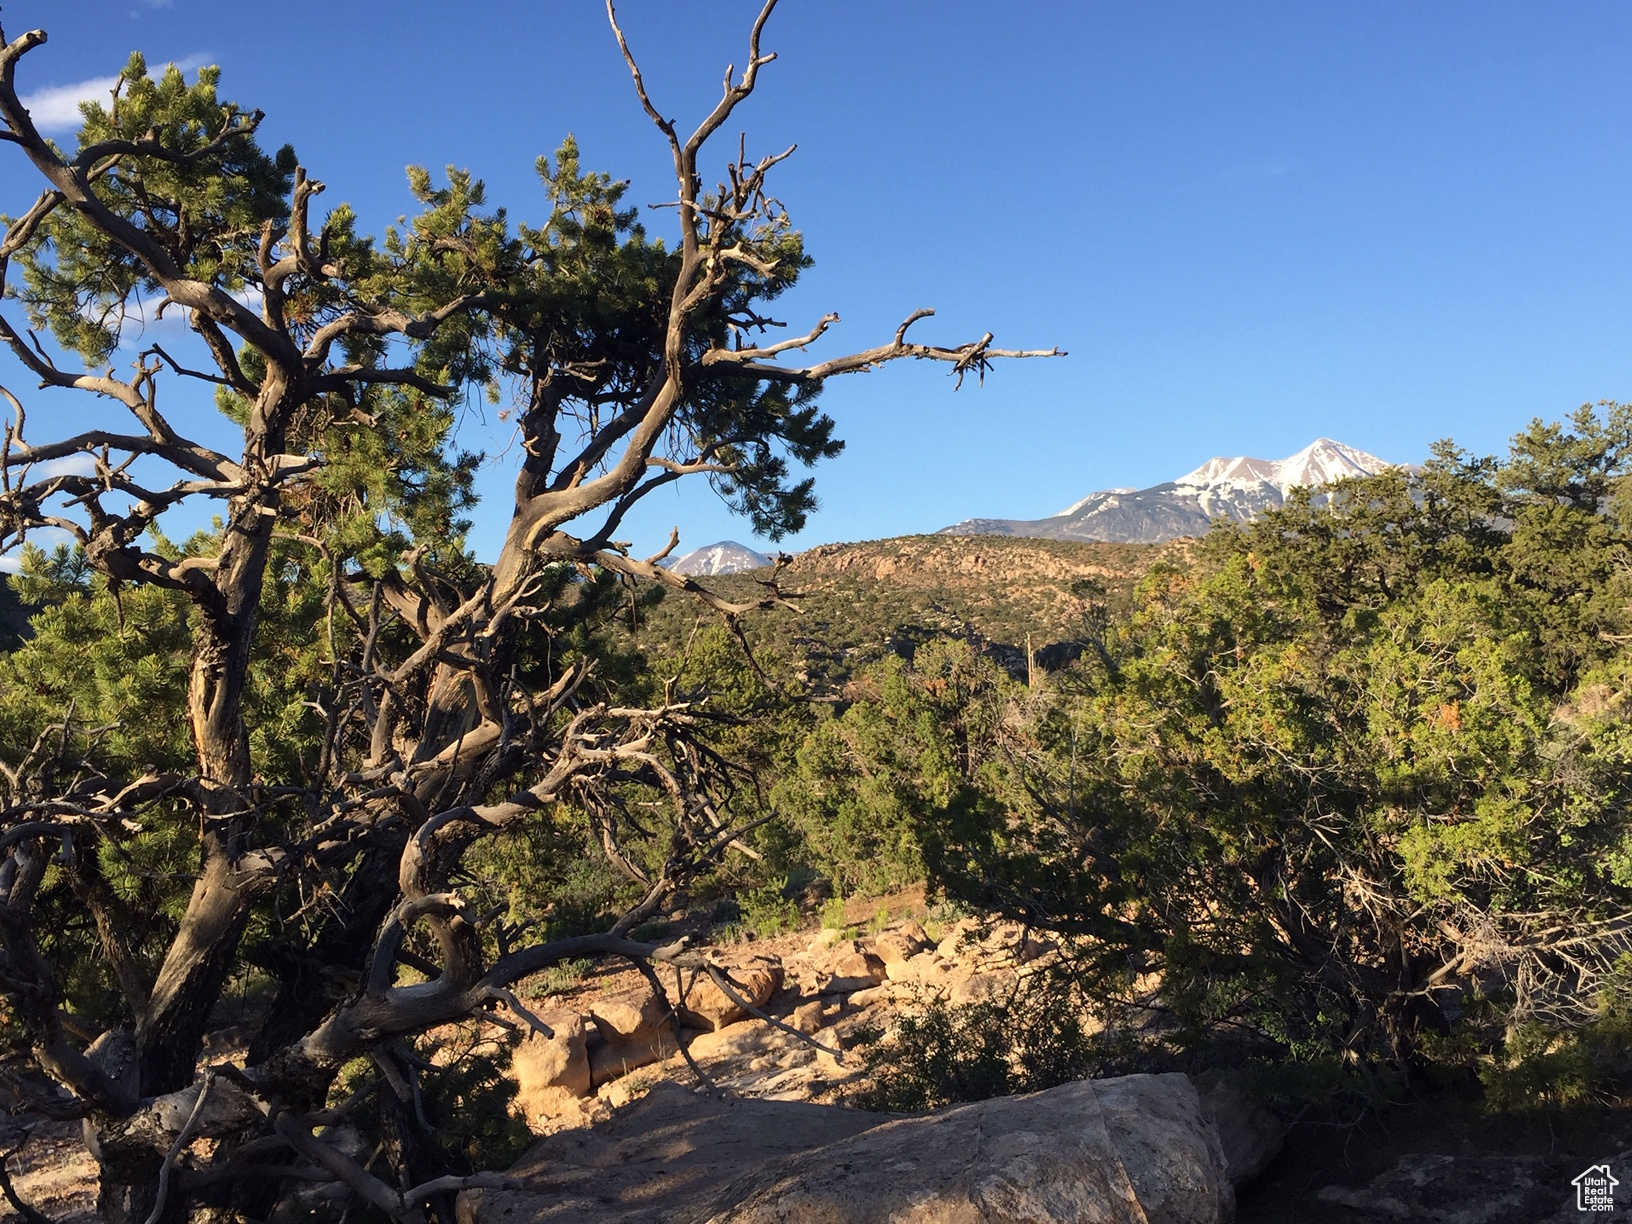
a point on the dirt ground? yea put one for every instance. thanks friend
(55, 1175)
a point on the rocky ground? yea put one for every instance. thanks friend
(613, 1041)
(613, 1038)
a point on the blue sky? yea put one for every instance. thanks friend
(1251, 225)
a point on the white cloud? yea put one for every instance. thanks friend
(142, 323)
(46, 538)
(56, 107)
(68, 465)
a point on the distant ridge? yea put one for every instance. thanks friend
(726, 557)
(1236, 489)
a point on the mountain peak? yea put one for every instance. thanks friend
(1237, 489)
(723, 557)
(1321, 462)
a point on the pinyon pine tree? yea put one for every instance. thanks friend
(255, 763)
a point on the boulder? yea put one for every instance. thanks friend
(871, 996)
(965, 988)
(1111, 1151)
(960, 940)
(630, 1017)
(741, 1041)
(706, 1006)
(925, 969)
(616, 1059)
(846, 966)
(541, 1064)
(900, 944)
(807, 1017)
(824, 938)
(1132, 1149)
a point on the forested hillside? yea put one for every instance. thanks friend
(853, 604)
(1345, 785)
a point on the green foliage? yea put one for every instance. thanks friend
(767, 910)
(833, 913)
(591, 281)
(922, 738)
(1365, 747)
(558, 979)
(203, 208)
(940, 1053)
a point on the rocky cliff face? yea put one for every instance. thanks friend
(1222, 488)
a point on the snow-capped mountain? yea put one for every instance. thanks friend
(1235, 489)
(726, 557)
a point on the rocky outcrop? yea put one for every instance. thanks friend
(830, 986)
(1138, 1148)
(550, 1070)
(1130, 1149)
(902, 944)
(630, 1017)
(616, 1042)
(840, 968)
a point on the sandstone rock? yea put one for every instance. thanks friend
(625, 1089)
(903, 943)
(1035, 948)
(925, 969)
(845, 967)
(825, 938)
(807, 1017)
(1003, 937)
(1134, 1149)
(958, 943)
(547, 1110)
(1111, 1151)
(616, 1059)
(870, 996)
(706, 1006)
(630, 1017)
(737, 1041)
(543, 1064)
(664, 1161)
(965, 989)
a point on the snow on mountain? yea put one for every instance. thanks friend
(726, 557)
(1319, 463)
(1229, 488)
(1075, 506)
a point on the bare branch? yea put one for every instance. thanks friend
(977, 356)
(176, 1148)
